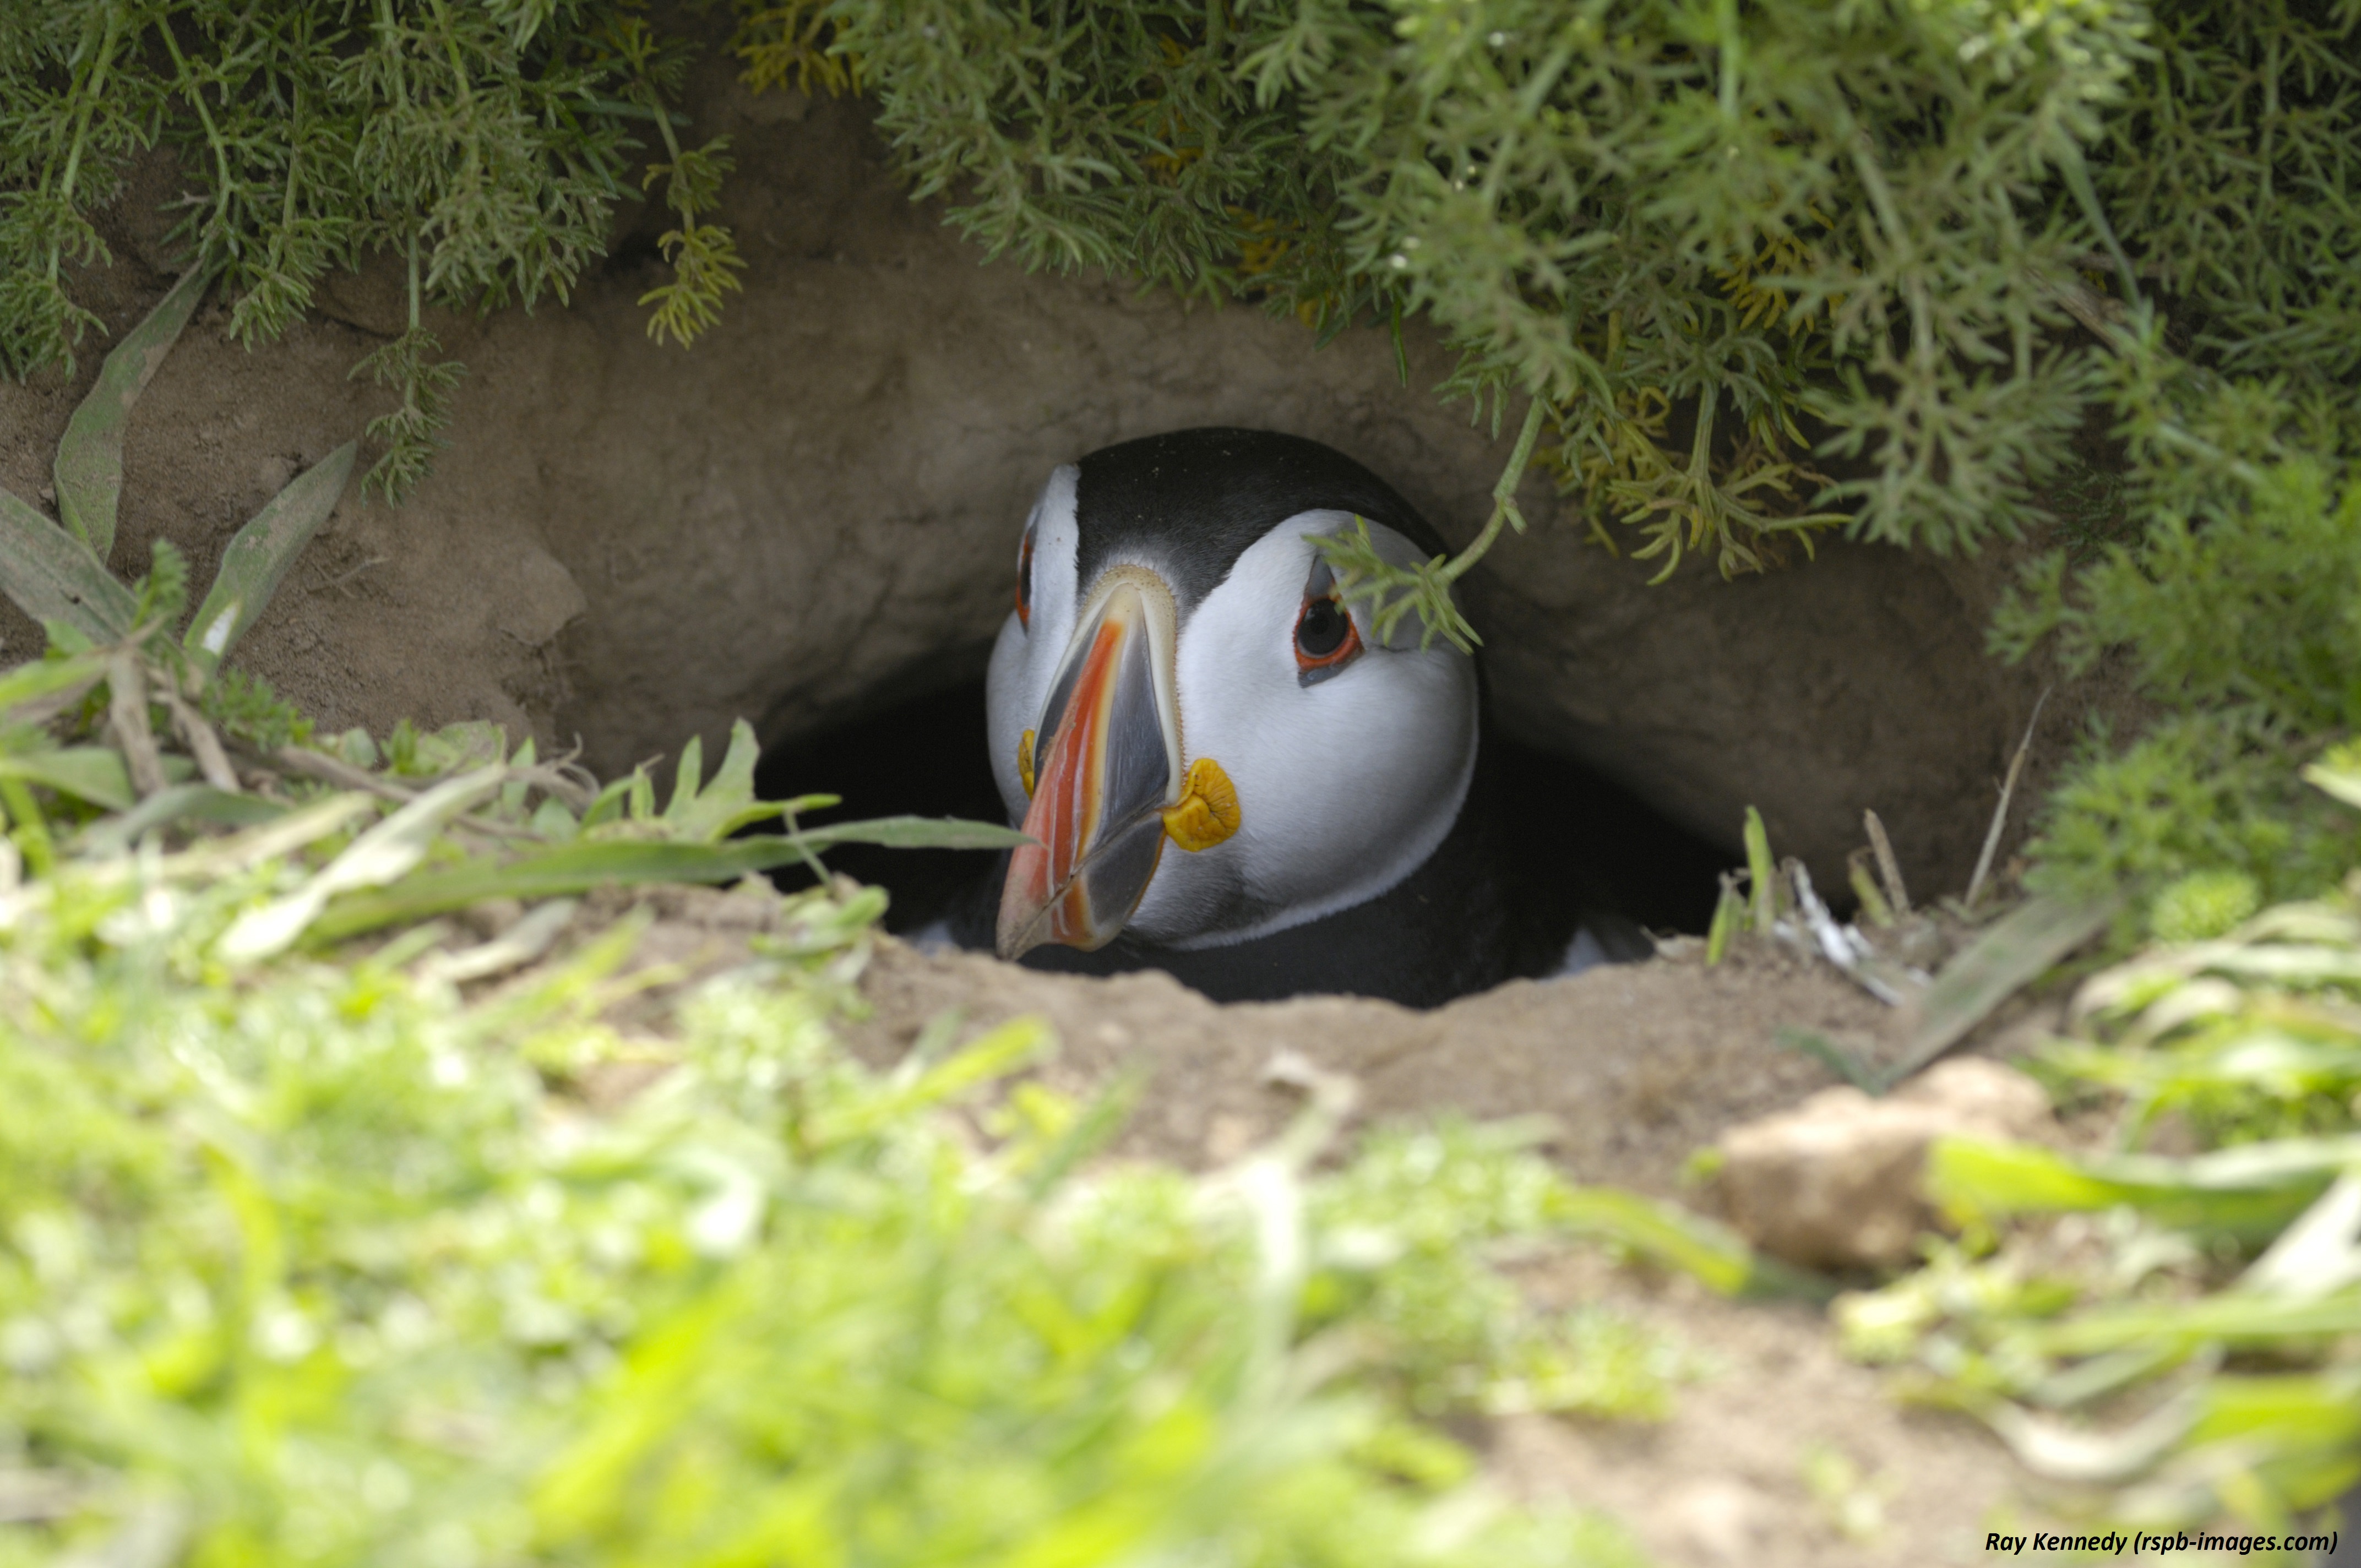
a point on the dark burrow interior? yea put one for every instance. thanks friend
(927, 756)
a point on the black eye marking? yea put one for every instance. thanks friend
(1322, 631)
(1325, 638)
(1025, 581)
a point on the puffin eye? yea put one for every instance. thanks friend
(1326, 640)
(1322, 629)
(1024, 582)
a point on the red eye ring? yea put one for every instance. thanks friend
(1321, 647)
(1024, 582)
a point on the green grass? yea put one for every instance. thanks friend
(322, 1259)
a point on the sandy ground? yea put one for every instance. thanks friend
(1635, 1067)
(1783, 1452)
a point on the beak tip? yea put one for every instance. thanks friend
(1023, 922)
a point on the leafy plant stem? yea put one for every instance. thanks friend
(458, 61)
(385, 26)
(1504, 496)
(294, 163)
(1761, 872)
(91, 90)
(654, 105)
(1698, 481)
(194, 91)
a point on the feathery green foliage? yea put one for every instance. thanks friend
(2236, 613)
(1689, 229)
(2224, 170)
(488, 143)
(1713, 239)
(2229, 584)
(1716, 244)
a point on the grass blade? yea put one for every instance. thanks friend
(2250, 1193)
(50, 683)
(1828, 1054)
(579, 867)
(257, 559)
(90, 457)
(1996, 966)
(1760, 871)
(53, 575)
(2317, 1255)
(1714, 1253)
(916, 833)
(93, 774)
(390, 850)
(182, 803)
(2228, 1317)
(268, 841)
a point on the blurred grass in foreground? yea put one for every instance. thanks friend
(314, 1255)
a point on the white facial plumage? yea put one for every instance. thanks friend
(1345, 785)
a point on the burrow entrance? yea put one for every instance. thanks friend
(626, 545)
(927, 756)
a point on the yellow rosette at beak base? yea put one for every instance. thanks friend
(1207, 811)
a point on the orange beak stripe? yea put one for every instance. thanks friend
(1047, 898)
(1107, 782)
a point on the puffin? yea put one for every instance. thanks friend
(1226, 773)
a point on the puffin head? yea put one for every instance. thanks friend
(1179, 666)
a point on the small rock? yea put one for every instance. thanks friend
(273, 474)
(1718, 1520)
(539, 598)
(1986, 1096)
(1227, 1138)
(1835, 1182)
(608, 1086)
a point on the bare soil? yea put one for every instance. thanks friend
(1636, 1067)
(1783, 1454)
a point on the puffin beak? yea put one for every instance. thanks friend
(1105, 767)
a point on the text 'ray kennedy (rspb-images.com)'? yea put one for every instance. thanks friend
(2115, 1543)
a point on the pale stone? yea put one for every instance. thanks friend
(1836, 1181)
